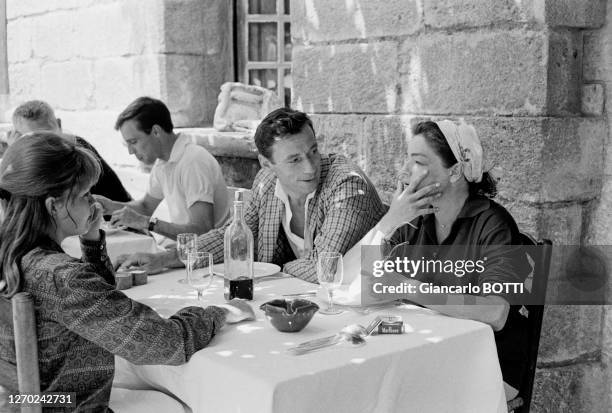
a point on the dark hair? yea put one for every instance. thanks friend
(146, 112)
(279, 124)
(35, 167)
(437, 141)
(36, 111)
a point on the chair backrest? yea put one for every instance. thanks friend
(541, 257)
(24, 377)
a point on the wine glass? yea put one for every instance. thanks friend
(329, 274)
(185, 243)
(200, 271)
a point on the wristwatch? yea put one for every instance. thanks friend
(152, 223)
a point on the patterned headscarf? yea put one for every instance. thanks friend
(463, 141)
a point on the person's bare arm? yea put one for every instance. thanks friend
(201, 220)
(144, 206)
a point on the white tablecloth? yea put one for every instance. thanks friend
(439, 365)
(117, 243)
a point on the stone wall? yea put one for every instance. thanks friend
(596, 102)
(532, 76)
(90, 58)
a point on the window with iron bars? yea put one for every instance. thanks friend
(263, 52)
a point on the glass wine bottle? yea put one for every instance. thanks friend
(238, 255)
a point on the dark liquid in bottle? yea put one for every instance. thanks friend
(238, 288)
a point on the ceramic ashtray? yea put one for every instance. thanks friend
(289, 316)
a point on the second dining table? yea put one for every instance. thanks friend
(118, 241)
(440, 364)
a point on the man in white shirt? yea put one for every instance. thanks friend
(302, 202)
(185, 174)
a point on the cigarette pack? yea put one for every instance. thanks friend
(390, 325)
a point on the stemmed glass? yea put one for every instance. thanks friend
(200, 271)
(329, 274)
(185, 243)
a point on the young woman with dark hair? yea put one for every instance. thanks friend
(82, 321)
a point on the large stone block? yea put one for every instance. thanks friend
(186, 95)
(606, 348)
(184, 26)
(559, 222)
(581, 388)
(21, 8)
(119, 29)
(593, 98)
(148, 75)
(19, 40)
(197, 27)
(575, 13)
(25, 80)
(545, 159)
(608, 146)
(332, 20)
(68, 85)
(599, 224)
(564, 72)
(342, 134)
(386, 150)
(597, 61)
(54, 37)
(115, 83)
(476, 13)
(560, 344)
(191, 85)
(505, 72)
(346, 78)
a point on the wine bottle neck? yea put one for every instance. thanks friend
(238, 211)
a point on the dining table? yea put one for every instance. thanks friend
(439, 364)
(118, 242)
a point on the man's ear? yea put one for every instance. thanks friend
(456, 172)
(156, 130)
(59, 123)
(264, 162)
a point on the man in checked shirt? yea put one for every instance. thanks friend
(303, 202)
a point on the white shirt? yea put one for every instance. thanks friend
(190, 175)
(296, 242)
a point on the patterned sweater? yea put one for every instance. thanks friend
(83, 321)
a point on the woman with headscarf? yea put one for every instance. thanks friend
(442, 211)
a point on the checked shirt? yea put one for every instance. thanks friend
(345, 207)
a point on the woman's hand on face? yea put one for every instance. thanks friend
(408, 203)
(95, 220)
(108, 205)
